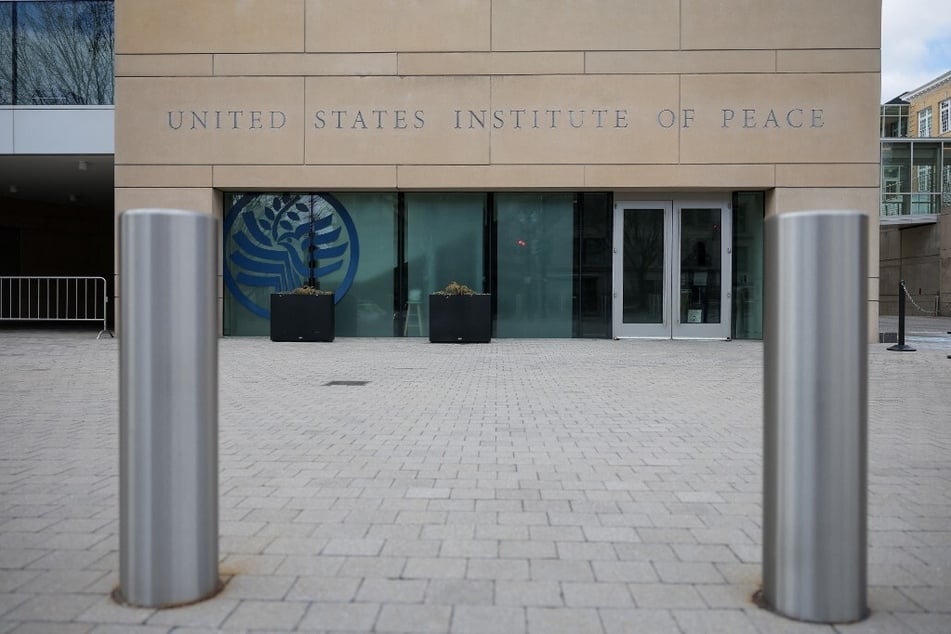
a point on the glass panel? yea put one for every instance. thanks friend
(266, 240)
(367, 308)
(749, 210)
(700, 266)
(946, 176)
(535, 263)
(443, 244)
(925, 167)
(594, 286)
(6, 53)
(642, 285)
(896, 178)
(64, 53)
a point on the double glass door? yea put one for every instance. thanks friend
(672, 269)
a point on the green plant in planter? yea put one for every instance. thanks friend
(458, 314)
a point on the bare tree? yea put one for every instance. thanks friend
(6, 52)
(65, 52)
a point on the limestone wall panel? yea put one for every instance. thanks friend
(755, 118)
(394, 120)
(582, 119)
(209, 26)
(164, 65)
(594, 25)
(780, 24)
(398, 25)
(209, 120)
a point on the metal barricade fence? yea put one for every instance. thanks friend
(52, 299)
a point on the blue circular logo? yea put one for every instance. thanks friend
(267, 240)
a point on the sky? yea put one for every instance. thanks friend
(916, 44)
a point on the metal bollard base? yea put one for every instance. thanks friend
(901, 347)
(117, 597)
(759, 600)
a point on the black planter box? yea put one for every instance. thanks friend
(302, 317)
(460, 318)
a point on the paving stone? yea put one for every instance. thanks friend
(665, 596)
(460, 592)
(561, 570)
(273, 615)
(414, 618)
(472, 619)
(435, 568)
(498, 569)
(51, 607)
(541, 477)
(529, 593)
(563, 620)
(716, 622)
(592, 595)
(637, 621)
(392, 591)
(324, 589)
(210, 614)
(340, 617)
(257, 587)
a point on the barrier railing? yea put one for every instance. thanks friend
(49, 299)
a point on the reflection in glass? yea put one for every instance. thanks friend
(535, 264)
(926, 161)
(748, 212)
(946, 176)
(594, 285)
(6, 53)
(443, 244)
(896, 178)
(700, 266)
(64, 53)
(643, 275)
(265, 250)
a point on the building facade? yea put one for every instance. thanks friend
(56, 138)
(602, 169)
(915, 243)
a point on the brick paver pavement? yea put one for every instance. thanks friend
(527, 486)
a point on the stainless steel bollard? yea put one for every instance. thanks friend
(815, 416)
(168, 407)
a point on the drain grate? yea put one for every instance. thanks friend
(346, 383)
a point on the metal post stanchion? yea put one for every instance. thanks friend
(815, 416)
(900, 346)
(168, 408)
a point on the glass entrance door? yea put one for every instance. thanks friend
(672, 269)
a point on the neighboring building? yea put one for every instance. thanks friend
(56, 138)
(602, 168)
(916, 198)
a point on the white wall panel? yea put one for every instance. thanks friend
(63, 130)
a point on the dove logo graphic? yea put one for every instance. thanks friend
(269, 240)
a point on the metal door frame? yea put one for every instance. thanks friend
(671, 326)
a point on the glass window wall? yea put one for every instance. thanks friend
(894, 120)
(57, 53)
(595, 226)
(266, 246)
(444, 243)
(534, 294)
(545, 257)
(748, 214)
(926, 165)
(6, 53)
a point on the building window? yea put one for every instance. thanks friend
(945, 116)
(57, 53)
(924, 122)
